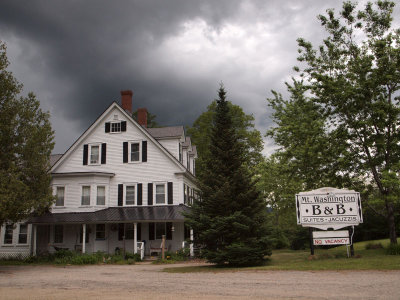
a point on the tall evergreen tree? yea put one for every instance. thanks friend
(229, 220)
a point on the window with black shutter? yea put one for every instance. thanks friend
(125, 152)
(123, 126)
(139, 194)
(120, 194)
(85, 154)
(103, 153)
(144, 151)
(170, 193)
(107, 127)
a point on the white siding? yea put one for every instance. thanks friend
(158, 168)
(172, 145)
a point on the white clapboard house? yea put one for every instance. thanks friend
(121, 185)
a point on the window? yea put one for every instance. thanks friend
(185, 195)
(60, 196)
(160, 193)
(101, 195)
(116, 127)
(58, 234)
(94, 154)
(100, 231)
(85, 195)
(135, 151)
(130, 194)
(160, 230)
(23, 234)
(8, 234)
(129, 231)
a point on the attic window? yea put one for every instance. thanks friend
(116, 127)
(115, 117)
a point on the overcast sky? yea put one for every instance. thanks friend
(77, 56)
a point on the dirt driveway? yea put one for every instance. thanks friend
(146, 281)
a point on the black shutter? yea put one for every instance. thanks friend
(121, 231)
(107, 127)
(123, 126)
(144, 151)
(151, 231)
(170, 193)
(85, 154)
(139, 194)
(103, 153)
(139, 231)
(125, 154)
(120, 194)
(169, 230)
(150, 194)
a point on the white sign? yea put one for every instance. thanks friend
(328, 208)
(339, 237)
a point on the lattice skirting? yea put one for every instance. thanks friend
(14, 255)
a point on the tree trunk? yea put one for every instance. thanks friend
(391, 223)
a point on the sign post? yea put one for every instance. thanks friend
(329, 209)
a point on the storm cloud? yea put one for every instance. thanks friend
(76, 56)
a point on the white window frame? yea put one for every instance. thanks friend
(54, 234)
(155, 193)
(97, 194)
(136, 193)
(3, 242)
(130, 151)
(19, 234)
(90, 191)
(56, 194)
(111, 126)
(90, 154)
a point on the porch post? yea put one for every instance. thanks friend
(83, 238)
(135, 238)
(34, 238)
(191, 243)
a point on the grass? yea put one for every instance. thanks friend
(324, 259)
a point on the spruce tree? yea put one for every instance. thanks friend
(230, 219)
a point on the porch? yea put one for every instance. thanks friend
(130, 229)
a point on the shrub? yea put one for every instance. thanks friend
(371, 246)
(133, 256)
(393, 249)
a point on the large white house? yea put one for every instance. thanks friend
(119, 184)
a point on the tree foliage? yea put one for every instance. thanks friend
(243, 125)
(26, 142)
(151, 119)
(230, 219)
(354, 79)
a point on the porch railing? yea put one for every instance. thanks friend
(140, 249)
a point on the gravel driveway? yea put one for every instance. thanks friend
(147, 281)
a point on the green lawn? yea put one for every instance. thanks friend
(324, 259)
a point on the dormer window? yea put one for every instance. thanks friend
(116, 127)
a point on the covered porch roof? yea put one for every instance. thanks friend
(115, 215)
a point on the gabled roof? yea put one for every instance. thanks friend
(187, 142)
(194, 150)
(129, 118)
(166, 132)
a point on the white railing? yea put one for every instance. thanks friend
(140, 249)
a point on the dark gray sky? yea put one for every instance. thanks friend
(76, 56)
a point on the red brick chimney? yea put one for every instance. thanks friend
(126, 100)
(142, 116)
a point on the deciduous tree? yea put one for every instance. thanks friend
(26, 142)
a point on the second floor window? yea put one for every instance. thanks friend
(85, 195)
(130, 195)
(160, 193)
(101, 195)
(60, 196)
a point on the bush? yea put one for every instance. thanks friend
(371, 246)
(393, 249)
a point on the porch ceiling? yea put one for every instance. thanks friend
(115, 215)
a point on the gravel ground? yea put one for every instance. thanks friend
(147, 281)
